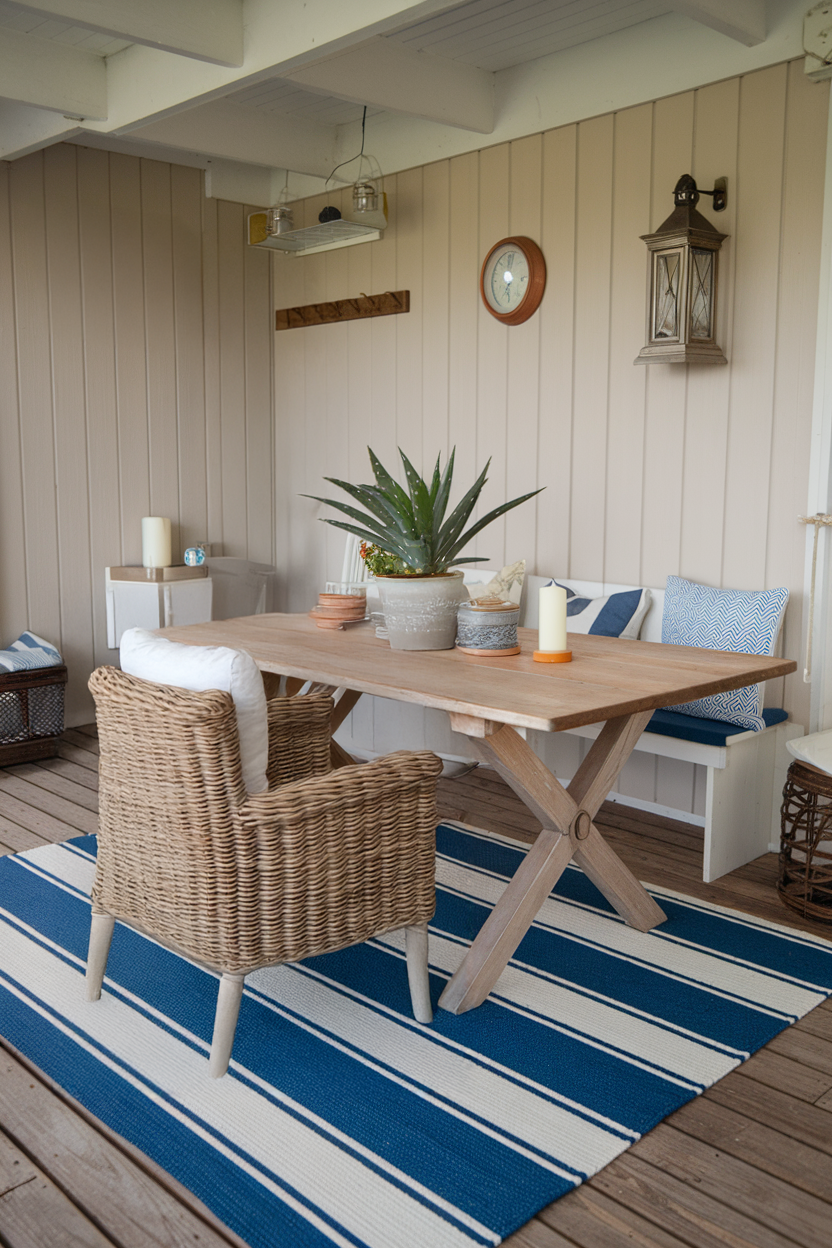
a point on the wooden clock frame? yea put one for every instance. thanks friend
(537, 279)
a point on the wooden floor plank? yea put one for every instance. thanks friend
(85, 758)
(70, 813)
(14, 838)
(810, 1124)
(696, 1217)
(783, 1073)
(72, 771)
(82, 739)
(53, 782)
(592, 1220)
(767, 1149)
(106, 1185)
(812, 1051)
(764, 1197)
(30, 1203)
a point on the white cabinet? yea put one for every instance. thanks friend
(155, 604)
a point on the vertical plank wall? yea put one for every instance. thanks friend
(695, 471)
(136, 365)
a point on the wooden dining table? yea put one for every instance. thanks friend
(612, 681)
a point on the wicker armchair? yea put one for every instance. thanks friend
(234, 881)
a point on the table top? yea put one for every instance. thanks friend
(608, 677)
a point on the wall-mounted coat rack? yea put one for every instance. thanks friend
(388, 304)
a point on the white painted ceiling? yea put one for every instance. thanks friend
(271, 85)
(13, 18)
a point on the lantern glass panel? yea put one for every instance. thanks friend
(702, 293)
(666, 295)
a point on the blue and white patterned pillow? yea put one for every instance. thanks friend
(28, 652)
(616, 615)
(724, 619)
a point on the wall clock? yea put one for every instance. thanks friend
(513, 279)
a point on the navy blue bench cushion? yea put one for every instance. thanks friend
(705, 731)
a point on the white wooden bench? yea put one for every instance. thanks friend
(735, 789)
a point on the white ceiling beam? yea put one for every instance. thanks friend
(743, 20)
(388, 75)
(146, 85)
(236, 132)
(209, 30)
(24, 130)
(50, 75)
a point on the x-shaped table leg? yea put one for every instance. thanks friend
(568, 832)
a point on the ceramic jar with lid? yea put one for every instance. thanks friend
(488, 627)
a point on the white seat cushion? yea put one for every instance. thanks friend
(816, 750)
(199, 668)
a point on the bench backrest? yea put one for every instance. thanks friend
(651, 628)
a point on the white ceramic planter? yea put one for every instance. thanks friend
(420, 611)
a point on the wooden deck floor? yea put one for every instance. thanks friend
(749, 1164)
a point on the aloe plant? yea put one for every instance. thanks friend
(410, 524)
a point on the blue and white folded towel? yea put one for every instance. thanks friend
(27, 652)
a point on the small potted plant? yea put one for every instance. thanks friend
(411, 548)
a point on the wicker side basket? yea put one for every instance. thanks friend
(31, 714)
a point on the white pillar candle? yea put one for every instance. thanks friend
(552, 618)
(156, 542)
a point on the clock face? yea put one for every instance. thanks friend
(508, 283)
(513, 279)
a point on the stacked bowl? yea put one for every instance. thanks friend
(336, 610)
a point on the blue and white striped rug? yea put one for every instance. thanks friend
(343, 1121)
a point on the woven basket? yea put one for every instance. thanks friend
(31, 714)
(805, 881)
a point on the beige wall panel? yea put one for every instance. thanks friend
(232, 378)
(14, 613)
(492, 381)
(337, 406)
(37, 433)
(111, 318)
(806, 114)
(71, 479)
(161, 346)
(317, 461)
(296, 530)
(359, 365)
(211, 341)
(409, 340)
(435, 311)
(754, 342)
(556, 315)
(666, 383)
(627, 382)
(592, 328)
(708, 398)
(464, 302)
(100, 377)
(186, 247)
(523, 385)
(259, 354)
(131, 352)
(384, 435)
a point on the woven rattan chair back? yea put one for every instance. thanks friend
(320, 861)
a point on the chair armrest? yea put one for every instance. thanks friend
(344, 856)
(299, 736)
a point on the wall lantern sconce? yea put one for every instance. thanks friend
(683, 266)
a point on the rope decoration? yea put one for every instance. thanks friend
(819, 520)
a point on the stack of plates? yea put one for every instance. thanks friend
(336, 610)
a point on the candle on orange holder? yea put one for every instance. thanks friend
(552, 626)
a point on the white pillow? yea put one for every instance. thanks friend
(615, 615)
(198, 668)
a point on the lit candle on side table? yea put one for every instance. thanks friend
(552, 626)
